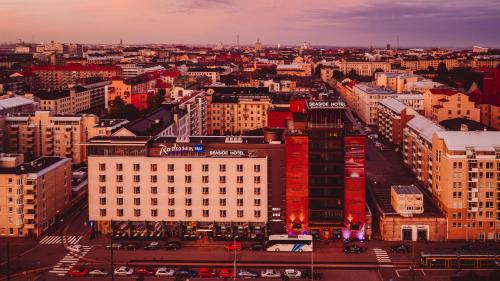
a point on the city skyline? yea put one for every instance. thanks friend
(346, 23)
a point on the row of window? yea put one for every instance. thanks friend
(187, 201)
(171, 167)
(187, 179)
(171, 213)
(171, 190)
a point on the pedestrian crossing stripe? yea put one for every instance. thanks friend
(57, 239)
(69, 260)
(382, 256)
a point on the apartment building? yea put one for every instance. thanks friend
(424, 64)
(366, 98)
(195, 104)
(188, 187)
(465, 182)
(33, 195)
(212, 73)
(47, 134)
(127, 87)
(415, 101)
(421, 86)
(60, 77)
(364, 68)
(417, 148)
(395, 81)
(11, 104)
(407, 200)
(444, 103)
(77, 99)
(392, 118)
(298, 69)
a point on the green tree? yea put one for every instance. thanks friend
(117, 107)
(442, 70)
(338, 75)
(130, 112)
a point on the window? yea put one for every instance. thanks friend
(256, 168)
(170, 179)
(256, 191)
(256, 202)
(154, 201)
(171, 190)
(188, 202)
(119, 201)
(205, 213)
(205, 201)
(239, 213)
(256, 179)
(204, 190)
(239, 202)
(137, 201)
(102, 201)
(170, 167)
(187, 167)
(154, 167)
(102, 212)
(154, 178)
(239, 168)
(137, 212)
(239, 179)
(204, 179)
(171, 201)
(222, 190)
(222, 213)
(239, 190)
(171, 213)
(119, 189)
(102, 178)
(222, 179)
(137, 167)
(187, 190)
(137, 189)
(222, 201)
(119, 178)
(189, 213)
(102, 189)
(137, 178)
(222, 168)
(154, 212)
(119, 167)
(119, 212)
(256, 213)
(204, 168)
(187, 179)
(154, 190)
(102, 167)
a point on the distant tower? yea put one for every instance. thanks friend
(238, 40)
(258, 45)
(388, 46)
(121, 42)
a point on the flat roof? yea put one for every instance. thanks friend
(33, 166)
(406, 189)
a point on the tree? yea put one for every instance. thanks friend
(442, 70)
(338, 75)
(117, 107)
(130, 112)
(378, 70)
(431, 69)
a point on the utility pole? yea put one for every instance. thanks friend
(112, 256)
(234, 267)
(8, 260)
(312, 262)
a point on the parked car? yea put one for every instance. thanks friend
(226, 273)
(75, 248)
(132, 246)
(184, 272)
(353, 249)
(165, 272)
(270, 273)
(99, 272)
(144, 271)
(292, 273)
(115, 246)
(247, 273)
(234, 246)
(257, 247)
(124, 271)
(400, 248)
(155, 245)
(308, 273)
(206, 272)
(173, 245)
(78, 272)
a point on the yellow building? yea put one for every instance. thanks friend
(364, 68)
(414, 65)
(33, 195)
(443, 104)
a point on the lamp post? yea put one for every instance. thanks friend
(111, 253)
(312, 261)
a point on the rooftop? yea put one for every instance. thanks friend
(393, 105)
(406, 189)
(424, 127)
(14, 102)
(479, 140)
(459, 124)
(33, 166)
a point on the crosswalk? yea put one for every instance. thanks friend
(57, 239)
(382, 256)
(69, 260)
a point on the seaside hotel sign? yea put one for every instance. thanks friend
(326, 104)
(177, 148)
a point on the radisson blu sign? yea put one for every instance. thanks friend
(179, 148)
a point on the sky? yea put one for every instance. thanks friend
(288, 22)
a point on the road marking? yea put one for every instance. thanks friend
(70, 259)
(56, 239)
(382, 256)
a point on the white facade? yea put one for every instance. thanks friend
(366, 101)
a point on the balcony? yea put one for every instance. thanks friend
(29, 196)
(29, 216)
(473, 179)
(473, 170)
(29, 225)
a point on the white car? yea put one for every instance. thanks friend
(270, 273)
(98, 272)
(75, 248)
(165, 272)
(293, 274)
(124, 271)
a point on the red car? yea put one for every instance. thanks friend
(235, 246)
(78, 272)
(206, 272)
(143, 271)
(226, 273)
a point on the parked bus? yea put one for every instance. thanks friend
(290, 243)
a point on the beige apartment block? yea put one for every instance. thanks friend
(443, 104)
(366, 98)
(33, 195)
(364, 68)
(407, 200)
